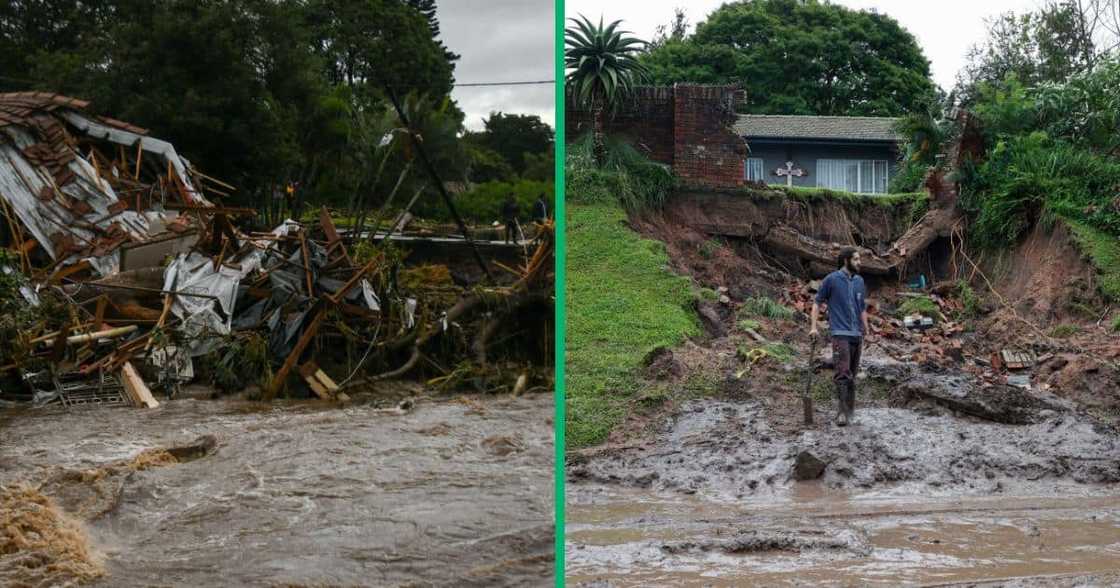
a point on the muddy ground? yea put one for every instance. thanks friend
(951, 476)
(440, 490)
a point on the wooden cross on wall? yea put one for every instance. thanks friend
(789, 171)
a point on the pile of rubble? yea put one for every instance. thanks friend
(935, 341)
(120, 269)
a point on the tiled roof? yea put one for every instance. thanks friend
(856, 128)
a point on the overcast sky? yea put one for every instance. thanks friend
(501, 41)
(945, 28)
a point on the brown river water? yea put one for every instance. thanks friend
(453, 491)
(819, 537)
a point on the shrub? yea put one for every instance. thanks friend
(709, 248)
(1063, 331)
(923, 306)
(763, 306)
(969, 300)
(626, 177)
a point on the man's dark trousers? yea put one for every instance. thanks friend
(845, 357)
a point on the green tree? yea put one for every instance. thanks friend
(1047, 45)
(603, 68)
(513, 136)
(802, 57)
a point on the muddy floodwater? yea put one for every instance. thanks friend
(906, 499)
(450, 491)
(633, 538)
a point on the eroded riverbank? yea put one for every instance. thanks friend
(301, 493)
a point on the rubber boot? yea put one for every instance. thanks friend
(850, 405)
(841, 404)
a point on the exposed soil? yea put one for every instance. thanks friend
(938, 426)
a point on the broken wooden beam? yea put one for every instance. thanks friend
(135, 387)
(293, 357)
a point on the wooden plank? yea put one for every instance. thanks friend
(99, 313)
(333, 238)
(326, 380)
(136, 388)
(306, 262)
(289, 363)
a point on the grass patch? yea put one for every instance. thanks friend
(622, 303)
(1104, 253)
(762, 306)
(747, 323)
(1063, 331)
(923, 306)
(1116, 323)
(709, 294)
(811, 195)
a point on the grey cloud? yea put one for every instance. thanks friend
(500, 41)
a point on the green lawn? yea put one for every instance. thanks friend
(622, 302)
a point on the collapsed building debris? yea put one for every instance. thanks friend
(130, 271)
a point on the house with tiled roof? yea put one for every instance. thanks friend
(851, 153)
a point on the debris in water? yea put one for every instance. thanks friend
(40, 545)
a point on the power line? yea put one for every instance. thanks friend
(477, 84)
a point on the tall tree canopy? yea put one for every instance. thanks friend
(1051, 44)
(802, 57)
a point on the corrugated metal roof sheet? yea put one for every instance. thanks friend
(853, 128)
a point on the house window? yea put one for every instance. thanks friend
(753, 170)
(867, 176)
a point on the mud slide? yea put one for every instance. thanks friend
(213, 493)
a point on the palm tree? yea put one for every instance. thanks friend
(603, 70)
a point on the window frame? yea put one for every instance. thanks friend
(828, 169)
(761, 169)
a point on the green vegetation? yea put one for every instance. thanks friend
(780, 352)
(1116, 323)
(709, 294)
(1104, 253)
(969, 300)
(622, 303)
(603, 70)
(709, 248)
(762, 306)
(237, 362)
(923, 306)
(483, 203)
(747, 323)
(816, 195)
(625, 177)
(859, 52)
(1065, 330)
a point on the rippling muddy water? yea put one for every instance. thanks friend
(627, 537)
(454, 491)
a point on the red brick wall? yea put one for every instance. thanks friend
(685, 126)
(706, 151)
